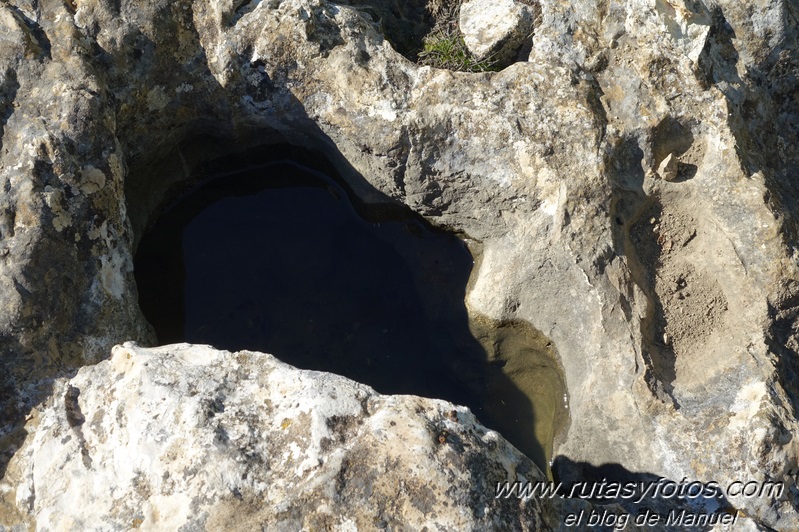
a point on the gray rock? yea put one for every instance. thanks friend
(668, 168)
(104, 106)
(187, 436)
(495, 29)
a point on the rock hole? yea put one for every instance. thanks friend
(280, 258)
(687, 302)
(671, 136)
(404, 23)
(439, 33)
(645, 261)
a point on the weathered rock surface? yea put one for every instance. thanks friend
(669, 168)
(495, 29)
(673, 304)
(187, 436)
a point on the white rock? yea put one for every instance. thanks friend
(541, 163)
(495, 29)
(187, 436)
(668, 168)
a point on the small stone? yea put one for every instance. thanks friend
(668, 168)
(293, 439)
(495, 29)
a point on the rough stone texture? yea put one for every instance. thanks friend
(669, 168)
(673, 304)
(495, 29)
(187, 436)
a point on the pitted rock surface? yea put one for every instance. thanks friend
(187, 436)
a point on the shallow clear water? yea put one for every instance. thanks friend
(276, 259)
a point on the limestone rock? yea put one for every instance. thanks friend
(542, 164)
(187, 436)
(668, 168)
(495, 29)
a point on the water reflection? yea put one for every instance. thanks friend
(275, 258)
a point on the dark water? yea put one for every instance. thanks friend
(276, 259)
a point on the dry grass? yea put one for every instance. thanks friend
(443, 47)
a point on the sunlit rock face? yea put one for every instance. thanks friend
(187, 436)
(631, 187)
(495, 30)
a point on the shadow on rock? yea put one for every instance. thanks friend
(670, 504)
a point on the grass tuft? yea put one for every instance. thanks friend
(443, 47)
(446, 49)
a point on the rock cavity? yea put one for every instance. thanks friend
(273, 256)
